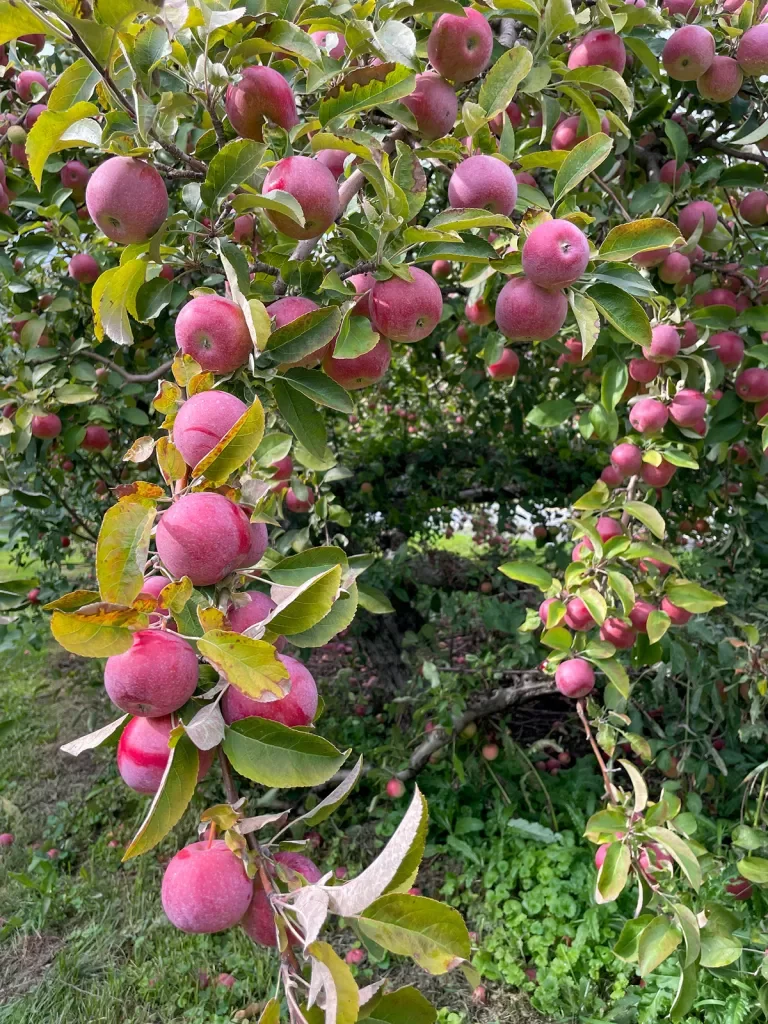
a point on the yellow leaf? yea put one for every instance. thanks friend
(99, 634)
(236, 447)
(122, 548)
(250, 665)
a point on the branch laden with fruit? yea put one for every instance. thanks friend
(309, 169)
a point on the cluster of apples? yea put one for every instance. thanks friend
(689, 56)
(575, 677)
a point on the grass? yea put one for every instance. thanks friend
(84, 938)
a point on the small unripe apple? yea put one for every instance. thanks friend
(490, 751)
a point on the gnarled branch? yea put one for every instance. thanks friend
(528, 686)
(132, 378)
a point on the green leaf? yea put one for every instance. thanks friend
(614, 381)
(356, 337)
(648, 516)
(55, 130)
(171, 800)
(113, 297)
(755, 869)
(277, 201)
(16, 21)
(408, 175)
(690, 929)
(658, 940)
(116, 13)
(748, 838)
(319, 388)
(617, 675)
(250, 665)
(595, 602)
(306, 604)
(586, 316)
(581, 161)
(658, 624)
(308, 333)
(284, 35)
(275, 755)
(374, 600)
(603, 79)
(470, 249)
(501, 81)
(150, 46)
(235, 447)
(679, 140)
(680, 851)
(340, 616)
(613, 873)
(302, 417)
(431, 933)
(719, 948)
(551, 413)
(622, 587)
(404, 1006)
(366, 88)
(122, 549)
(685, 996)
(74, 85)
(692, 597)
(625, 240)
(230, 167)
(527, 572)
(623, 312)
(463, 220)
(295, 570)
(558, 638)
(558, 18)
(152, 298)
(626, 947)
(596, 497)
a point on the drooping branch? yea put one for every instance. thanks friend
(132, 378)
(528, 686)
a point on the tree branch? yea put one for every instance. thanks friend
(132, 378)
(362, 268)
(607, 188)
(531, 684)
(740, 154)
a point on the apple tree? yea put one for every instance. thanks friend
(222, 221)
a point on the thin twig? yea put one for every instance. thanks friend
(231, 791)
(610, 792)
(607, 188)
(133, 378)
